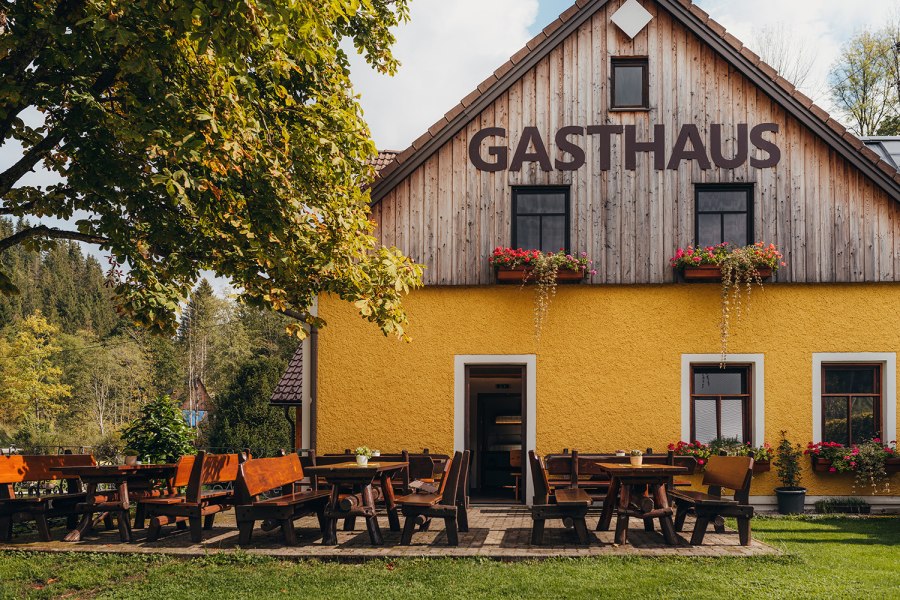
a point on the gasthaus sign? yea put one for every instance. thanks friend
(489, 149)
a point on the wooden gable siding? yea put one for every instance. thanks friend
(832, 223)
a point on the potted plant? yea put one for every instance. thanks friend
(791, 497)
(159, 432)
(699, 451)
(637, 458)
(736, 268)
(620, 453)
(363, 454)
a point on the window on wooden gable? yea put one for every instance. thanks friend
(720, 403)
(724, 213)
(630, 81)
(851, 403)
(540, 218)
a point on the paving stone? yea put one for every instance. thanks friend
(503, 533)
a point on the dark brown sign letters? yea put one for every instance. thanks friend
(689, 145)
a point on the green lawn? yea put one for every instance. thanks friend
(824, 558)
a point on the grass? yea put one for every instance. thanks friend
(824, 557)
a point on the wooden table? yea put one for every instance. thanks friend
(116, 502)
(350, 477)
(639, 491)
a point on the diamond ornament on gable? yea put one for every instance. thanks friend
(631, 18)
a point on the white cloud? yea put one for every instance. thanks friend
(447, 49)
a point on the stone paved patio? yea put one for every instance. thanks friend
(498, 532)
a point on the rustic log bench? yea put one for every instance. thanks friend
(38, 508)
(731, 472)
(198, 507)
(262, 475)
(568, 504)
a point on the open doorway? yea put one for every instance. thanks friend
(495, 432)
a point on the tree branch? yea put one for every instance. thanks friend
(42, 231)
(35, 154)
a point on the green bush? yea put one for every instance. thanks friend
(160, 432)
(788, 462)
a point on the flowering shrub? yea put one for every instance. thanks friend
(517, 258)
(866, 461)
(758, 255)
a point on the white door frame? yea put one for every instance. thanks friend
(529, 361)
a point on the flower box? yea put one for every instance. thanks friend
(713, 273)
(823, 465)
(519, 275)
(762, 466)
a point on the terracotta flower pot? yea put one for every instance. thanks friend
(519, 274)
(713, 273)
(636, 461)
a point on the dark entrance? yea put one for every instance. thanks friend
(495, 432)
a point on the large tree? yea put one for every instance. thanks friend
(203, 134)
(863, 81)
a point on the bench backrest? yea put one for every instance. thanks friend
(732, 472)
(20, 468)
(450, 481)
(539, 479)
(183, 469)
(210, 469)
(261, 475)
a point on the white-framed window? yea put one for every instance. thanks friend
(854, 396)
(726, 403)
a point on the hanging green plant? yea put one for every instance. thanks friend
(545, 270)
(737, 269)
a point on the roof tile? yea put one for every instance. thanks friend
(699, 12)
(568, 13)
(536, 41)
(733, 41)
(750, 55)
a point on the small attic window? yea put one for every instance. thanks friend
(630, 88)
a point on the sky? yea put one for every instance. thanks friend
(448, 48)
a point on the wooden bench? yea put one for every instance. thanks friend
(38, 508)
(178, 481)
(420, 508)
(568, 504)
(262, 475)
(730, 472)
(197, 507)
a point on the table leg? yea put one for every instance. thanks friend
(387, 490)
(622, 516)
(330, 533)
(665, 521)
(122, 514)
(86, 519)
(372, 521)
(609, 504)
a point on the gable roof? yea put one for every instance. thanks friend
(797, 104)
(383, 159)
(289, 391)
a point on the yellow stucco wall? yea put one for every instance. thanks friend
(608, 361)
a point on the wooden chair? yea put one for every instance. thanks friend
(564, 503)
(38, 508)
(731, 472)
(281, 473)
(197, 507)
(419, 509)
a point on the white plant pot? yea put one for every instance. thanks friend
(376, 453)
(620, 454)
(362, 461)
(637, 460)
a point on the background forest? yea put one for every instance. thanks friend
(74, 373)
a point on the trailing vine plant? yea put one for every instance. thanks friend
(541, 269)
(739, 268)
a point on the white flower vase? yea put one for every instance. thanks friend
(362, 461)
(637, 461)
